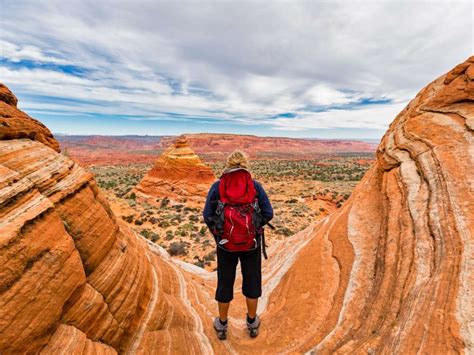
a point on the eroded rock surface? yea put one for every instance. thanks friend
(71, 277)
(177, 173)
(389, 272)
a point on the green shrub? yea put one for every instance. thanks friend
(169, 235)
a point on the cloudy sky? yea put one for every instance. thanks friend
(279, 68)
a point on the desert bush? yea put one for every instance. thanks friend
(138, 222)
(176, 218)
(199, 263)
(284, 231)
(177, 248)
(153, 220)
(145, 233)
(128, 219)
(211, 256)
(164, 202)
(169, 235)
(164, 224)
(154, 236)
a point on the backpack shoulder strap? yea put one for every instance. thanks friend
(255, 184)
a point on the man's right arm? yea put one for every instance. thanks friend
(264, 203)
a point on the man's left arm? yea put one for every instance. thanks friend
(210, 206)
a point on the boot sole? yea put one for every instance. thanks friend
(221, 334)
(253, 333)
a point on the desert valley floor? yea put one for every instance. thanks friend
(302, 189)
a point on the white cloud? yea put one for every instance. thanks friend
(28, 52)
(374, 117)
(240, 61)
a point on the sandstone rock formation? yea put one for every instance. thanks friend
(178, 173)
(71, 277)
(390, 272)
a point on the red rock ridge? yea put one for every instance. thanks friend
(217, 146)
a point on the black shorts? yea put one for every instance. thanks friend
(251, 266)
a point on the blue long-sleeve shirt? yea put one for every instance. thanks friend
(213, 198)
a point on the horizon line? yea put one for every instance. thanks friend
(60, 134)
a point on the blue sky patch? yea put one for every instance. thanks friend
(69, 69)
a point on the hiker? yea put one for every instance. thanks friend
(236, 210)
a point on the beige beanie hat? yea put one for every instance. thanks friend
(237, 159)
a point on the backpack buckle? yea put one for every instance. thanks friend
(220, 207)
(255, 206)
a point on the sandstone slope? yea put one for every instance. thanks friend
(178, 173)
(71, 277)
(389, 272)
(392, 270)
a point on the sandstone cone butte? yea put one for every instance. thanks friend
(389, 272)
(178, 173)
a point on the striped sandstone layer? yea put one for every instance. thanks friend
(389, 272)
(72, 278)
(177, 173)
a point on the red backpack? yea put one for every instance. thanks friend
(238, 211)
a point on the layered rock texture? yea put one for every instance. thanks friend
(177, 173)
(390, 272)
(71, 278)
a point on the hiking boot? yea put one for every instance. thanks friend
(221, 330)
(253, 327)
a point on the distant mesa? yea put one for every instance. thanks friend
(178, 173)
